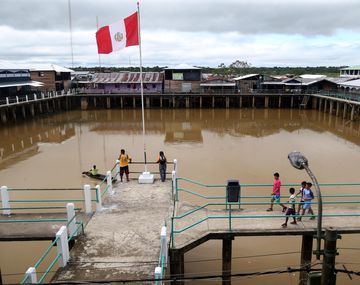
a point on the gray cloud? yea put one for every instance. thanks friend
(317, 17)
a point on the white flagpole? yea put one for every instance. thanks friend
(141, 87)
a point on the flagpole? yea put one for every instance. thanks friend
(97, 27)
(141, 87)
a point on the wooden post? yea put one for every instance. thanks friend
(337, 108)
(305, 260)
(147, 99)
(253, 101)
(344, 113)
(227, 100)
(314, 102)
(320, 103)
(121, 102)
(325, 105)
(200, 102)
(240, 101)
(292, 102)
(94, 101)
(23, 111)
(176, 265)
(352, 112)
(187, 102)
(108, 102)
(328, 276)
(279, 102)
(173, 101)
(161, 102)
(266, 103)
(226, 260)
(213, 102)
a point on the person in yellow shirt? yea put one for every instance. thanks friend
(125, 159)
(94, 171)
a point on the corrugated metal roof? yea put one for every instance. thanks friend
(352, 83)
(35, 67)
(21, 83)
(226, 84)
(126, 77)
(351, 67)
(182, 66)
(245, 76)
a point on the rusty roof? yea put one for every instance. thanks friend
(127, 77)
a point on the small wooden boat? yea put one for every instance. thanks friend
(97, 176)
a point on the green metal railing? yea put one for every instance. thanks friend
(341, 95)
(229, 216)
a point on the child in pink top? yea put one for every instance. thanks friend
(275, 194)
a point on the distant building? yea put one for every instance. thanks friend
(16, 82)
(248, 83)
(122, 82)
(352, 72)
(54, 77)
(212, 84)
(182, 78)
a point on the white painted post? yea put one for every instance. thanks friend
(32, 278)
(27, 98)
(62, 246)
(163, 242)
(17, 99)
(5, 200)
(35, 97)
(87, 195)
(7, 100)
(175, 165)
(117, 176)
(98, 202)
(109, 183)
(158, 275)
(71, 219)
(173, 175)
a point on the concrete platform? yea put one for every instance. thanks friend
(123, 241)
(217, 228)
(25, 231)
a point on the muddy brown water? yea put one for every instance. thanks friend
(211, 145)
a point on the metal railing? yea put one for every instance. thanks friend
(229, 216)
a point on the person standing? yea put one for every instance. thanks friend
(124, 159)
(162, 165)
(275, 194)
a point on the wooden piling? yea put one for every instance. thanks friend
(240, 102)
(200, 102)
(134, 102)
(266, 103)
(253, 101)
(292, 102)
(337, 108)
(352, 112)
(279, 102)
(213, 102)
(344, 112)
(227, 102)
(226, 261)
(108, 102)
(177, 266)
(305, 260)
(328, 276)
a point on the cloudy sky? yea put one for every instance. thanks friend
(197, 32)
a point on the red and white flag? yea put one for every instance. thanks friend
(118, 35)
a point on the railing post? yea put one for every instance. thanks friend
(70, 208)
(164, 248)
(175, 165)
(27, 98)
(117, 169)
(87, 196)
(109, 182)
(7, 100)
(17, 99)
(62, 246)
(98, 198)
(31, 276)
(5, 200)
(158, 275)
(173, 176)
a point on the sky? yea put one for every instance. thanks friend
(197, 32)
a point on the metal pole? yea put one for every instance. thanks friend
(319, 216)
(328, 276)
(71, 39)
(141, 87)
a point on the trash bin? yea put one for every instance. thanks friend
(232, 191)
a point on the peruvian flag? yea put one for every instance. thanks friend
(118, 35)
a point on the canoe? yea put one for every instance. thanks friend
(97, 176)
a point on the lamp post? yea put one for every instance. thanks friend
(299, 161)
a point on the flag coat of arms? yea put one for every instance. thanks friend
(118, 35)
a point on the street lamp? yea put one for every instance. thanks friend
(299, 161)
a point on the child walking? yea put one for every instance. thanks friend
(301, 192)
(291, 209)
(308, 197)
(275, 194)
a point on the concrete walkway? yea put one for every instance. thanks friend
(122, 241)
